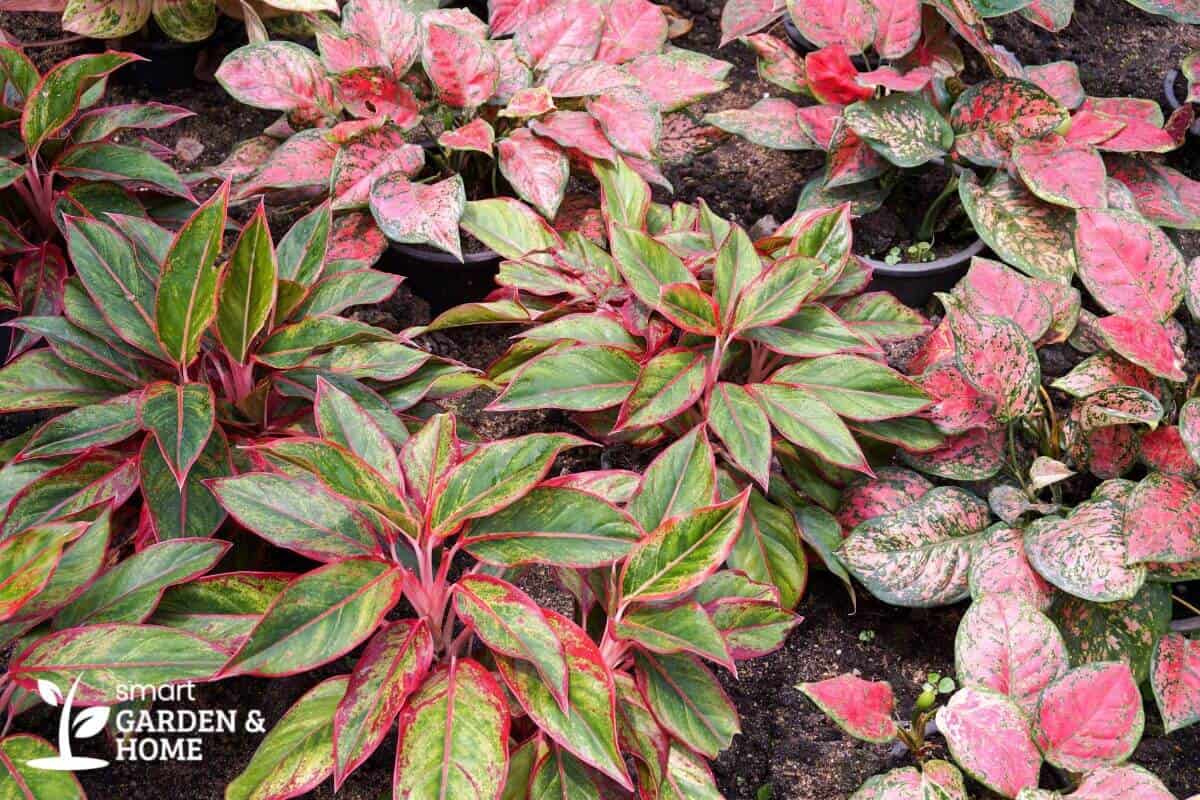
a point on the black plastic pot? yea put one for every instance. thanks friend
(803, 45)
(440, 278)
(914, 284)
(1172, 97)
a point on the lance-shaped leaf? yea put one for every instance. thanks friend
(678, 555)
(509, 622)
(918, 557)
(1175, 679)
(683, 628)
(669, 383)
(221, 608)
(28, 560)
(804, 420)
(417, 213)
(181, 419)
(1162, 520)
(769, 549)
(1122, 631)
(1084, 553)
(904, 128)
(687, 306)
(247, 292)
(687, 701)
(83, 483)
(1091, 717)
(297, 755)
(188, 510)
(292, 345)
(1007, 645)
(302, 251)
(989, 737)
(855, 387)
(588, 727)
(890, 490)
(80, 562)
(129, 591)
(20, 777)
(999, 566)
(84, 428)
(773, 123)
(742, 426)
(281, 76)
(1127, 264)
(578, 379)
(680, 480)
(56, 98)
(340, 419)
(1033, 236)
(864, 709)
(1144, 342)
(508, 226)
(187, 292)
(121, 164)
(646, 264)
(356, 287)
(298, 515)
(992, 116)
(389, 670)
(776, 293)
(319, 617)
(106, 658)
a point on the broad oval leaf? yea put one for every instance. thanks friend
(1127, 264)
(1084, 553)
(1162, 520)
(417, 213)
(864, 709)
(1091, 717)
(1122, 631)
(989, 737)
(1033, 236)
(1175, 679)
(999, 566)
(904, 128)
(994, 354)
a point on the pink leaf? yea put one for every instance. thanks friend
(280, 76)
(991, 287)
(584, 80)
(630, 119)
(999, 566)
(975, 455)
(1061, 173)
(676, 79)
(372, 92)
(1127, 780)
(304, 160)
(342, 53)
(850, 23)
(1175, 678)
(416, 213)
(1144, 130)
(742, 17)
(957, 405)
(1110, 452)
(1090, 127)
(892, 489)
(368, 158)
(464, 70)
(1084, 553)
(514, 75)
(997, 358)
(1143, 342)
(528, 103)
(990, 739)
(536, 168)
(773, 122)
(1104, 371)
(897, 27)
(476, 135)
(1162, 521)
(1007, 645)
(1189, 427)
(566, 32)
(1164, 450)
(1060, 80)
(1128, 265)
(576, 130)
(887, 77)
(832, 76)
(632, 28)
(1091, 717)
(861, 708)
(355, 239)
(388, 29)
(506, 16)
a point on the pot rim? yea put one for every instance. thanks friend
(431, 254)
(926, 268)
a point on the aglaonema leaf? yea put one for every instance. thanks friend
(1084, 553)
(990, 738)
(689, 702)
(1091, 717)
(181, 418)
(1127, 264)
(1174, 675)
(864, 709)
(247, 292)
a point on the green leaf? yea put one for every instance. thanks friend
(222, 608)
(90, 479)
(107, 658)
(297, 755)
(79, 564)
(682, 628)
(452, 736)
(121, 164)
(84, 428)
(805, 421)
(181, 419)
(508, 227)
(647, 265)
(561, 527)
(680, 480)
(27, 561)
(336, 293)
(1126, 630)
(904, 128)
(576, 379)
(561, 776)
(813, 331)
(742, 426)
(293, 344)
(80, 349)
(769, 550)
(189, 510)
(683, 551)
(247, 288)
(129, 591)
(670, 383)
(187, 293)
(21, 779)
(687, 306)
(56, 99)
(1031, 235)
(736, 266)
(687, 700)
(301, 252)
(345, 422)
(186, 20)
(777, 293)
(319, 617)
(855, 387)
(623, 194)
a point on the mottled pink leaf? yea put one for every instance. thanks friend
(957, 405)
(389, 29)
(850, 23)
(576, 130)
(1104, 371)
(991, 287)
(464, 70)
(630, 119)
(1164, 450)
(280, 76)
(1128, 265)
(1145, 343)
(566, 32)
(990, 739)
(356, 239)
(832, 76)
(1189, 427)
(990, 117)
(1127, 780)
(897, 27)
(892, 489)
(1084, 553)
(742, 17)
(1144, 130)
(528, 103)
(888, 78)
(975, 455)
(1091, 717)
(536, 168)
(1060, 80)
(778, 62)
(675, 79)
(514, 75)
(1091, 127)
(476, 135)
(997, 358)
(1007, 645)
(1162, 520)
(372, 92)
(632, 28)
(418, 213)
(1175, 679)
(367, 159)
(1110, 452)
(861, 708)
(1064, 174)
(1162, 195)
(505, 16)
(342, 53)
(773, 122)
(999, 566)
(304, 160)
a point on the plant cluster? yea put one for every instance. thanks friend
(409, 113)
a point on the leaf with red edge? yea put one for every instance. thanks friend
(566, 32)
(999, 566)
(1162, 521)
(992, 116)
(390, 31)
(631, 28)
(304, 160)
(390, 668)
(773, 123)
(630, 119)
(366, 159)
(417, 213)
(1065, 174)
(883, 317)
(181, 418)
(1189, 428)
(454, 735)
(1175, 679)
(897, 27)
(1163, 195)
(995, 289)
(1007, 645)
(1145, 343)
(279, 76)
(1033, 236)
(743, 17)
(975, 455)
(462, 67)
(39, 279)
(588, 727)
(989, 737)
(778, 61)
(1084, 553)
(55, 99)
(892, 489)
(997, 358)
(1091, 717)
(1060, 80)
(804, 420)
(368, 92)
(576, 130)
(851, 23)
(918, 557)
(687, 700)
(506, 16)
(1128, 265)
(536, 168)
(888, 78)
(861, 708)
(831, 76)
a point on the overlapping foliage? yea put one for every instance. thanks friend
(411, 112)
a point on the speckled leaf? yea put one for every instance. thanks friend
(90, 479)
(187, 292)
(189, 510)
(632, 28)
(56, 98)
(565, 32)
(851, 23)
(1163, 520)
(804, 420)
(989, 737)
(864, 709)
(996, 289)
(743, 17)
(940, 780)
(687, 701)
(297, 755)
(463, 68)
(1189, 428)
(773, 123)
(181, 419)
(992, 116)
(904, 129)
(1007, 645)
(1084, 553)
(92, 425)
(1175, 678)
(536, 168)
(1122, 631)
(417, 213)
(892, 489)
(1127, 780)
(1144, 342)
(280, 76)
(505, 16)
(630, 119)
(1033, 236)
(1118, 405)
(997, 358)
(1062, 173)
(918, 556)
(1091, 717)
(999, 566)
(361, 162)
(1128, 265)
